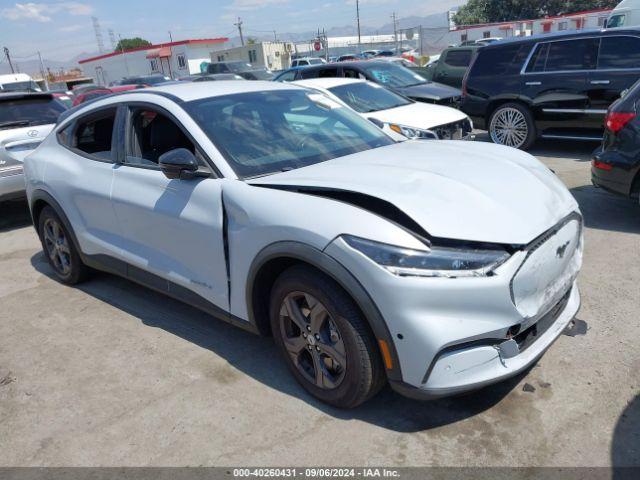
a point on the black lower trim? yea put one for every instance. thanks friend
(114, 266)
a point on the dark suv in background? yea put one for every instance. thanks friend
(550, 86)
(616, 164)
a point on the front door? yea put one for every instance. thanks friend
(172, 229)
(555, 82)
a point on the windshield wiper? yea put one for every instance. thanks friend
(15, 123)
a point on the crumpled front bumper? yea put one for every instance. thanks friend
(473, 367)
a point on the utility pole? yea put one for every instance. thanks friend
(170, 37)
(358, 18)
(239, 25)
(6, 54)
(42, 72)
(124, 57)
(395, 30)
(275, 37)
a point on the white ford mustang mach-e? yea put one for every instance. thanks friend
(437, 266)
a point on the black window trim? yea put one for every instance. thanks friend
(591, 70)
(73, 124)
(129, 107)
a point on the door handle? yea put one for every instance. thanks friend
(533, 84)
(600, 82)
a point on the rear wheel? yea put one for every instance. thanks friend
(325, 340)
(512, 125)
(60, 249)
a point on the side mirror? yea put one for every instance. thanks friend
(179, 163)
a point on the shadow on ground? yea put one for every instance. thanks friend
(14, 214)
(605, 211)
(625, 446)
(571, 150)
(257, 357)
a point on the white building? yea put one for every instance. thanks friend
(271, 55)
(522, 28)
(175, 59)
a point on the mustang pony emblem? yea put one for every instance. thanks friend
(560, 251)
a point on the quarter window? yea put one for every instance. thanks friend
(458, 58)
(619, 52)
(93, 134)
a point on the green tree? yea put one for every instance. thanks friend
(129, 43)
(488, 11)
(251, 41)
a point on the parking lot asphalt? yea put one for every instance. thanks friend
(112, 374)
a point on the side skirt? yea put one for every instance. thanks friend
(114, 266)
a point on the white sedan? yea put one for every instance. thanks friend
(392, 112)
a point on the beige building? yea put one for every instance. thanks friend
(271, 55)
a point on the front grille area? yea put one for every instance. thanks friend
(454, 131)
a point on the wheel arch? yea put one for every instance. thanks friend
(38, 201)
(277, 257)
(495, 103)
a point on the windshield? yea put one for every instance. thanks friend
(26, 112)
(393, 75)
(366, 97)
(616, 21)
(272, 131)
(315, 61)
(28, 86)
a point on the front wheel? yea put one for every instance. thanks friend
(512, 125)
(325, 341)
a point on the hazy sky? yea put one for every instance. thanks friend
(61, 30)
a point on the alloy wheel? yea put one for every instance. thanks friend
(509, 127)
(57, 246)
(312, 340)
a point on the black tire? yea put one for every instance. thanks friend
(362, 376)
(64, 260)
(519, 138)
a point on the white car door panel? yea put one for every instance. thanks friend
(173, 228)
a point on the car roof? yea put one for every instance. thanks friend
(540, 37)
(187, 91)
(328, 82)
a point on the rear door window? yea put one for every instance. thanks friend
(572, 55)
(458, 58)
(93, 134)
(619, 52)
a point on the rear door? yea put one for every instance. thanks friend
(555, 81)
(618, 69)
(452, 66)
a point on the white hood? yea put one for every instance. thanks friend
(458, 190)
(418, 115)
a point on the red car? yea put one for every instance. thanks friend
(102, 91)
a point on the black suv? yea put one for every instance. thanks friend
(616, 164)
(550, 85)
(395, 77)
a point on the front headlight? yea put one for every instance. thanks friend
(434, 262)
(413, 133)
